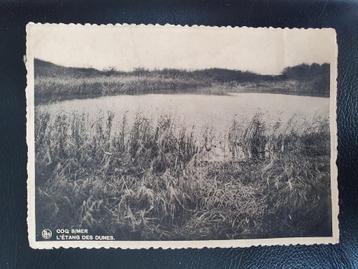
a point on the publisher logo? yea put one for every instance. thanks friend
(46, 234)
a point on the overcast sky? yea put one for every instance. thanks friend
(125, 48)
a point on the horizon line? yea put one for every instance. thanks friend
(114, 69)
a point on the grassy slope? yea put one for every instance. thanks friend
(55, 82)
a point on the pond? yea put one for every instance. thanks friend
(216, 111)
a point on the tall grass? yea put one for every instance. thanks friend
(155, 179)
(50, 89)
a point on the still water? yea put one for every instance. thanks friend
(199, 110)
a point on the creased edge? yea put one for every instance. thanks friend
(198, 244)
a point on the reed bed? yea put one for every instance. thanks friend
(52, 89)
(156, 180)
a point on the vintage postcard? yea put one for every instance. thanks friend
(150, 136)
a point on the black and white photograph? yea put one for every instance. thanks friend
(168, 136)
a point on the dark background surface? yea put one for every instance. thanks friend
(14, 249)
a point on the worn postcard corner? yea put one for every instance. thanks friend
(150, 136)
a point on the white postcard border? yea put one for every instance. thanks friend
(29, 59)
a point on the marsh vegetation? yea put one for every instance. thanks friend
(158, 180)
(56, 83)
